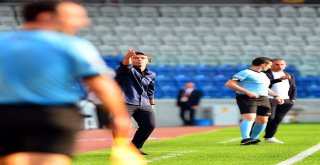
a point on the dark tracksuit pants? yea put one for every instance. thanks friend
(145, 118)
(277, 114)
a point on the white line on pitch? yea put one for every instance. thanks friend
(301, 155)
(230, 140)
(172, 155)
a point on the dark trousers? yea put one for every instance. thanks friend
(277, 114)
(184, 109)
(145, 118)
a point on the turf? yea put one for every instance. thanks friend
(207, 149)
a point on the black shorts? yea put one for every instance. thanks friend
(260, 106)
(35, 128)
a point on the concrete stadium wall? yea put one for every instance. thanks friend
(225, 112)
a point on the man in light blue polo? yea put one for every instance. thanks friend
(252, 90)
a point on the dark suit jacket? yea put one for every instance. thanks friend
(292, 82)
(193, 100)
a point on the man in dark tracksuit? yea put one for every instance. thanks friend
(284, 85)
(137, 83)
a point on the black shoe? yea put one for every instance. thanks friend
(255, 141)
(246, 141)
(142, 153)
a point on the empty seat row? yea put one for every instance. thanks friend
(202, 10)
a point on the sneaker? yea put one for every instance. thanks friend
(273, 140)
(142, 153)
(255, 141)
(246, 141)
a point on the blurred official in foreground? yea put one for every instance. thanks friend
(39, 64)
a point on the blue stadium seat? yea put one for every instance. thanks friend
(164, 80)
(303, 81)
(185, 70)
(220, 80)
(225, 70)
(313, 91)
(211, 91)
(202, 80)
(205, 70)
(169, 91)
(182, 79)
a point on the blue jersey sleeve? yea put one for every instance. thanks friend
(88, 61)
(240, 76)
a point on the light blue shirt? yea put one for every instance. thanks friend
(254, 81)
(43, 67)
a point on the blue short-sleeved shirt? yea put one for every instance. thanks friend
(253, 81)
(43, 67)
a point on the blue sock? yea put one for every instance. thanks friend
(245, 128)
(257, 130)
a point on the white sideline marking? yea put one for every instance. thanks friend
(301, 155)
(230, 140)
(172, 155)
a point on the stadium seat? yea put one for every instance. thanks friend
(223, 31)
(192, 40)
(243, 31)
(189, 50)
(212, 39)
(306, 22)
(123, 49)
(313, 91)
(303, 31)
(307, 11)
(202, 80)
(292, 60)
(167, 21)
(111, 40)
(272, 51)
(131, 40)
(246, 60)
(204, 70)
(186, 21)
(307, 70)
(283, 31)
(251, 50)
(311, 50)
(296, 41)
(164, 80)
(208, 60)
(169, 91)
(148, 11)
(222, 78)
(167, 60)
(146, 21)
(227, 22)
(169, 50)
(172, 40)
(249, 11)
(169, 11)
(101, 30)
(122, 30)
(143, 30)
(211, 91)
(288, 11)
(189, 11)
(292, 50)
(163, 30)
(255, 40)
(4, 28)
(93, 38)
(187, 60)
(188, 71)
(108, 50)
(206, 21)
(263, 31)
(210, 50)
(8, 21)
(268, 11)
(149, 49)
(229, 11)
(106, 21)
(202, 31)
(313, 40)
(110, 11)
(6, 11)
(92, 10)
(129, 11)
(182, 30)
(234, 40)
(83, 32)
(151, 40)
(247, 22)
(275, 40)
(232, 50)
(310, 60)
(286, 22)
(167, 71)
(126, 21)
(266, 22)
(182, 79)
(228, 60)
(208, 11)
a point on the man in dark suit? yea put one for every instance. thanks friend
(188, 100)
(283, 84)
